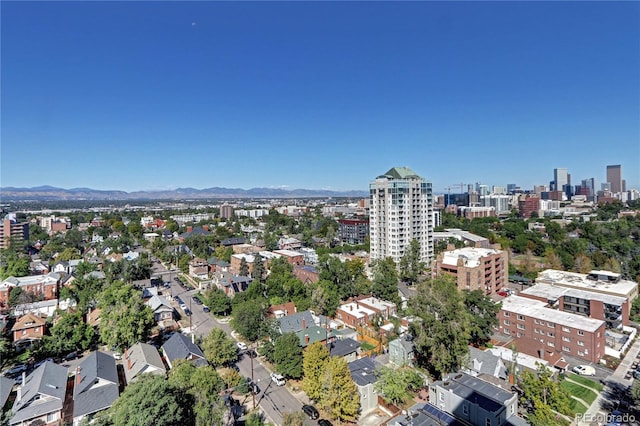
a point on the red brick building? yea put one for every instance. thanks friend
(27, 329)
(293, 257)
(540, 331)
(45, 286)
(527, 205)
(307, 274)
(485, 269)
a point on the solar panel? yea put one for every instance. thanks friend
(442, 416)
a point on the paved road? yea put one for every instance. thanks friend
(273, 400)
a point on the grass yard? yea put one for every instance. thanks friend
(577, 407)
(585, 394)
(587, 382)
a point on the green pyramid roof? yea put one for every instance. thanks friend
(401, 173)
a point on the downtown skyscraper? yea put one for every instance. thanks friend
(614, 177)
(401, 210)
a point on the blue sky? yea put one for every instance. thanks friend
(158, 95)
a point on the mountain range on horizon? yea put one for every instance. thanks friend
(46, 192)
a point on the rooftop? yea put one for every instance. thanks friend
(471, 256)
(537, 309)
(597, 281)
(490, 397)
(554, 292)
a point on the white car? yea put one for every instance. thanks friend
(277, 379)
(242, 346)
(584, 370)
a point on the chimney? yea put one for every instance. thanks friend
(351, 306)
(78, 376)
(306, 338)
(128, 363)
(304, 324)
(24, 378)
(189, 228)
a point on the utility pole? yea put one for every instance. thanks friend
(253, 394)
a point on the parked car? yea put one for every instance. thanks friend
(242, 346)
(277, 379)
(15, 370)
(584, 370)
(324, 422)
(205, 309)
(187, 311)
(70, 356)
(310, 411)
(254, 389)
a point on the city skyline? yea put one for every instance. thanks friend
(160, 95)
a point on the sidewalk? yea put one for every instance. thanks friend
(618, 376)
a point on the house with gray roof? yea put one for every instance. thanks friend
(142, 358)
(485, 362)
(401, 351)
(95, 386)
(296, 322)
(162, 309)
(348, 348)
(6, 385)
(179, 347)
(473, 400)
(41, 396)
(363, 373)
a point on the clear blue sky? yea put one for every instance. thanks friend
(157, 95)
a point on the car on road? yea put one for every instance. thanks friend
(205, 309)
(324, 422)
(310, 411)
(584, 370)
(254, 389)
(70, 356)
(197, 300)
(16, 370)
(242, 346)
(187, 311)
(277, 379)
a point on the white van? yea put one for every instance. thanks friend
(277, 379)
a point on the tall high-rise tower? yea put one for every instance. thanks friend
(562, 181)
(401, 210)
(614, 177)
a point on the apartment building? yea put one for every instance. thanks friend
(527, 205)
(613, 310)
(236, 261)
(401, 210)
(484, 269)
(46, 286)
(359, 311)
(12, 230)
(603, 282)
(543, 332)
(469, 239)
(293, 257)
(353, 231)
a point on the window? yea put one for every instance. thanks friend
(566, 349)
(565, 329)
(465, 409)
(550, 344)
(535, 321)
(507, 314)
(580, 343)
(580, 333)
(580, 353)
(507, 322)
(521, 326)
(518, 334)
(441, 396)
(507, 332)
(550, 334)
(550, 325)
(565, 339)
(52, 417)
(488, 422)
(520, 317)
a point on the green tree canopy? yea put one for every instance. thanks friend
(410, 265)
(385, 280)
(483, 318)
(218, 348)
(248, 320)
(340, 397)
(218, 302)
(288, 355)
(313, 364)
(395, 386)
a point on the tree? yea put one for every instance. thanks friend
(150, 401)
(313, 364)
(255, 419)
(244, 268)
(288, 355)
(218, 348)
(395, 385)
(543, 395)
(124, 318)
(218, 302)
(410, 265)
(68, 253)
(635, 392)
(340, 395)
(295, 418)
(248, 320)
(442, 332)
(483, 318)
(69, 333)
(385, 280)
(83, 291)
(258, 268)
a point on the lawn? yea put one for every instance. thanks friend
(585, 394)
(587, 382)
(577, 406)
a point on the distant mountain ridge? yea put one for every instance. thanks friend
(46, 192)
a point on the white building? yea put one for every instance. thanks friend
(401, 210)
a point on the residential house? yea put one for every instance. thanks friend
(422, 414)
(306, 273)
(348, 349)
(27, 329)
(363, 373)
(6, 386)
(402, 351)
(217, 265)
(233, 241)
(473, 400)
(382, 307)
(282, 310)
(231, 284)
(162, 309)
(142, 358)
(236, 262)
(39, 267)
(179, 347)
(354, 315)
(199, 268)
(289, 243)
(41, 397)
(195, 231)
(303, 324)
(293, 257)
(96, 386)
(485, 363)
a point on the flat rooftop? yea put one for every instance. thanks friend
(606, 282)
(554, 292)
(537, 309)
(472, 256)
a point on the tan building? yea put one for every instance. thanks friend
(11, 230)
(236, 261)
(475, 268)
(541, 331)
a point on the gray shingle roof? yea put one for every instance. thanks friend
(294, 322)
(343, 347)
(6, 384)
(95, 384)
(490, 397)
(486, 363)
(157, 301)
(180, 346)
(142, 358)
(43, 392)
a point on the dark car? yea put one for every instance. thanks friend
(310, 411)
(187, 312)
(324, 422)
(254, 389)
(70, 356)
